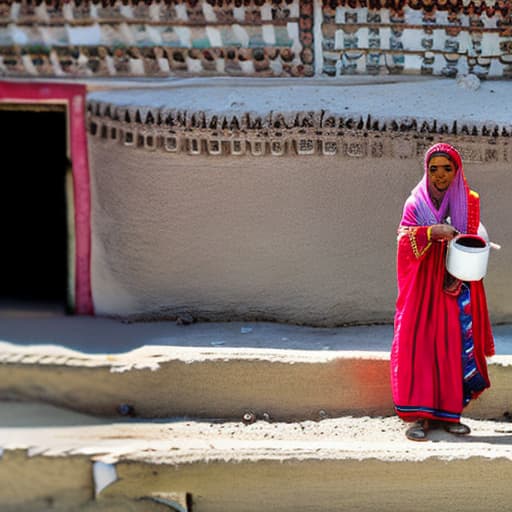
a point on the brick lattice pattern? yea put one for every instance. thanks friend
(131, 38)
(156, 39)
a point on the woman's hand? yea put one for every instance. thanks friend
(443, 232)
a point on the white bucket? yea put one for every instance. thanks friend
(467, 257)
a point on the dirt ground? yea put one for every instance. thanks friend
(42, 428)
(49, 455)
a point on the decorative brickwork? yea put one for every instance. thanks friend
(279, 134)
(489, 7)
(122, 38)
(119, 38)
(422, 36)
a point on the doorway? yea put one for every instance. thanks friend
(33, 207)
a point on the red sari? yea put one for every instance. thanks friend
(429, 378)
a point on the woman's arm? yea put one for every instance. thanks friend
(416, 240)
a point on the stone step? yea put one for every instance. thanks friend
(53, 459)
(213, 370)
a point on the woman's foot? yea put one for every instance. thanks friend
(418, 431)
(459, 429)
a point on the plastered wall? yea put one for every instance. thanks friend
(301, 239)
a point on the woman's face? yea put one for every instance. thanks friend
(441, 172)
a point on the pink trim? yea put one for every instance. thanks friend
(73, 96)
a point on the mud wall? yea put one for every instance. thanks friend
(298, 238)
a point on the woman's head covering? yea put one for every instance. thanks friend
(419, 209)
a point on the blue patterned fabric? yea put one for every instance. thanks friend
(473, 380)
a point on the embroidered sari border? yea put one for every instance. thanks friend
(424, 411)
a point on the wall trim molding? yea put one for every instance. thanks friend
(351, 143)
(290, 133)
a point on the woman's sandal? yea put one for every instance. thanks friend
(418, 431)
(459, 429)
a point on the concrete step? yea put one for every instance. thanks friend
(212, 370)
(57, 460)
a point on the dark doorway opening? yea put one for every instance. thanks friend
(33, 255)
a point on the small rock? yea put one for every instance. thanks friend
(503, 430)
(248, 418)
(126, 410)
(184, 319)
(469, 82)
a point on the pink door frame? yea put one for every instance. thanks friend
(73, 97)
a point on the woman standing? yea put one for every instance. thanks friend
(442, 328)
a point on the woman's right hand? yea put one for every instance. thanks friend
(443, 232)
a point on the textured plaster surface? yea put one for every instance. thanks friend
(421, 99)
(302, 240)
(261, 239)
(306, 240)
(46, 327)
(348, 460)
(361, 463)
(212, 370)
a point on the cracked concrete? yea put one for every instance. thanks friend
(345, 451)
(212, 370)
(354, 463)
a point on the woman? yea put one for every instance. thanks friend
(442, 328)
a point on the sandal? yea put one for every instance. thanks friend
(459, 429)
(418, 431)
